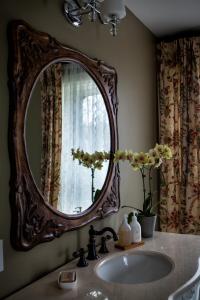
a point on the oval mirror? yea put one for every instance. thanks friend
(66, 111)
(50, 193)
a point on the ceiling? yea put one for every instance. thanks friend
(166, 17)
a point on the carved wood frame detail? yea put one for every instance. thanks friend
(33, 220)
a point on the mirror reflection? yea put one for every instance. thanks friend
(66, 111)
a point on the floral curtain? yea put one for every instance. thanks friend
(51, 100)
(179, 111)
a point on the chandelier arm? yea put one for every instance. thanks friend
(74, 12)
(94, 8)
(82, 10)
(81, 13)
(78, 4)
(101, 20)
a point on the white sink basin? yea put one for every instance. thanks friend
(134, 267)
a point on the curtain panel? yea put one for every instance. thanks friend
(179, 127)
(51, 110)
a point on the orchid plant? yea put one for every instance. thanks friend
(145, 163)
(92, 161)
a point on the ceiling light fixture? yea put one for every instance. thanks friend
(109, 12)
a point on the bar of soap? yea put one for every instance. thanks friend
(67, 279)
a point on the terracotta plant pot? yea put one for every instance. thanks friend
(147, 225)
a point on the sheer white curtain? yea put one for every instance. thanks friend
(85, 125)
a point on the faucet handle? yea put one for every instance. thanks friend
(92, 232)
(103, 249)
(92, 255)
(77, 209)
(82, 260)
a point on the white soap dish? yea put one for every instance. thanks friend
(67, 279)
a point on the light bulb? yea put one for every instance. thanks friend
(112, 8)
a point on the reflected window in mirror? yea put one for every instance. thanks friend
(73, 115)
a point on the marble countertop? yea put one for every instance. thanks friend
(184, 250)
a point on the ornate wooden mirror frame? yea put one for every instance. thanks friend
(33, 220)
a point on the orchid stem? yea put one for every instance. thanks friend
(150, 192)
(93, 189)
(143, 182)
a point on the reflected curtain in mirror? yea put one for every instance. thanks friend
(51, 106)
(85, 125)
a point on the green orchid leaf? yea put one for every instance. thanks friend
(147, 205)
(130, 217)
(96, 195)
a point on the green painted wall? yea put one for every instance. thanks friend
(132, 53)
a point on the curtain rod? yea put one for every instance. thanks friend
(179, 35)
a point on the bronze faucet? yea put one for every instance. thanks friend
(92, 255)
